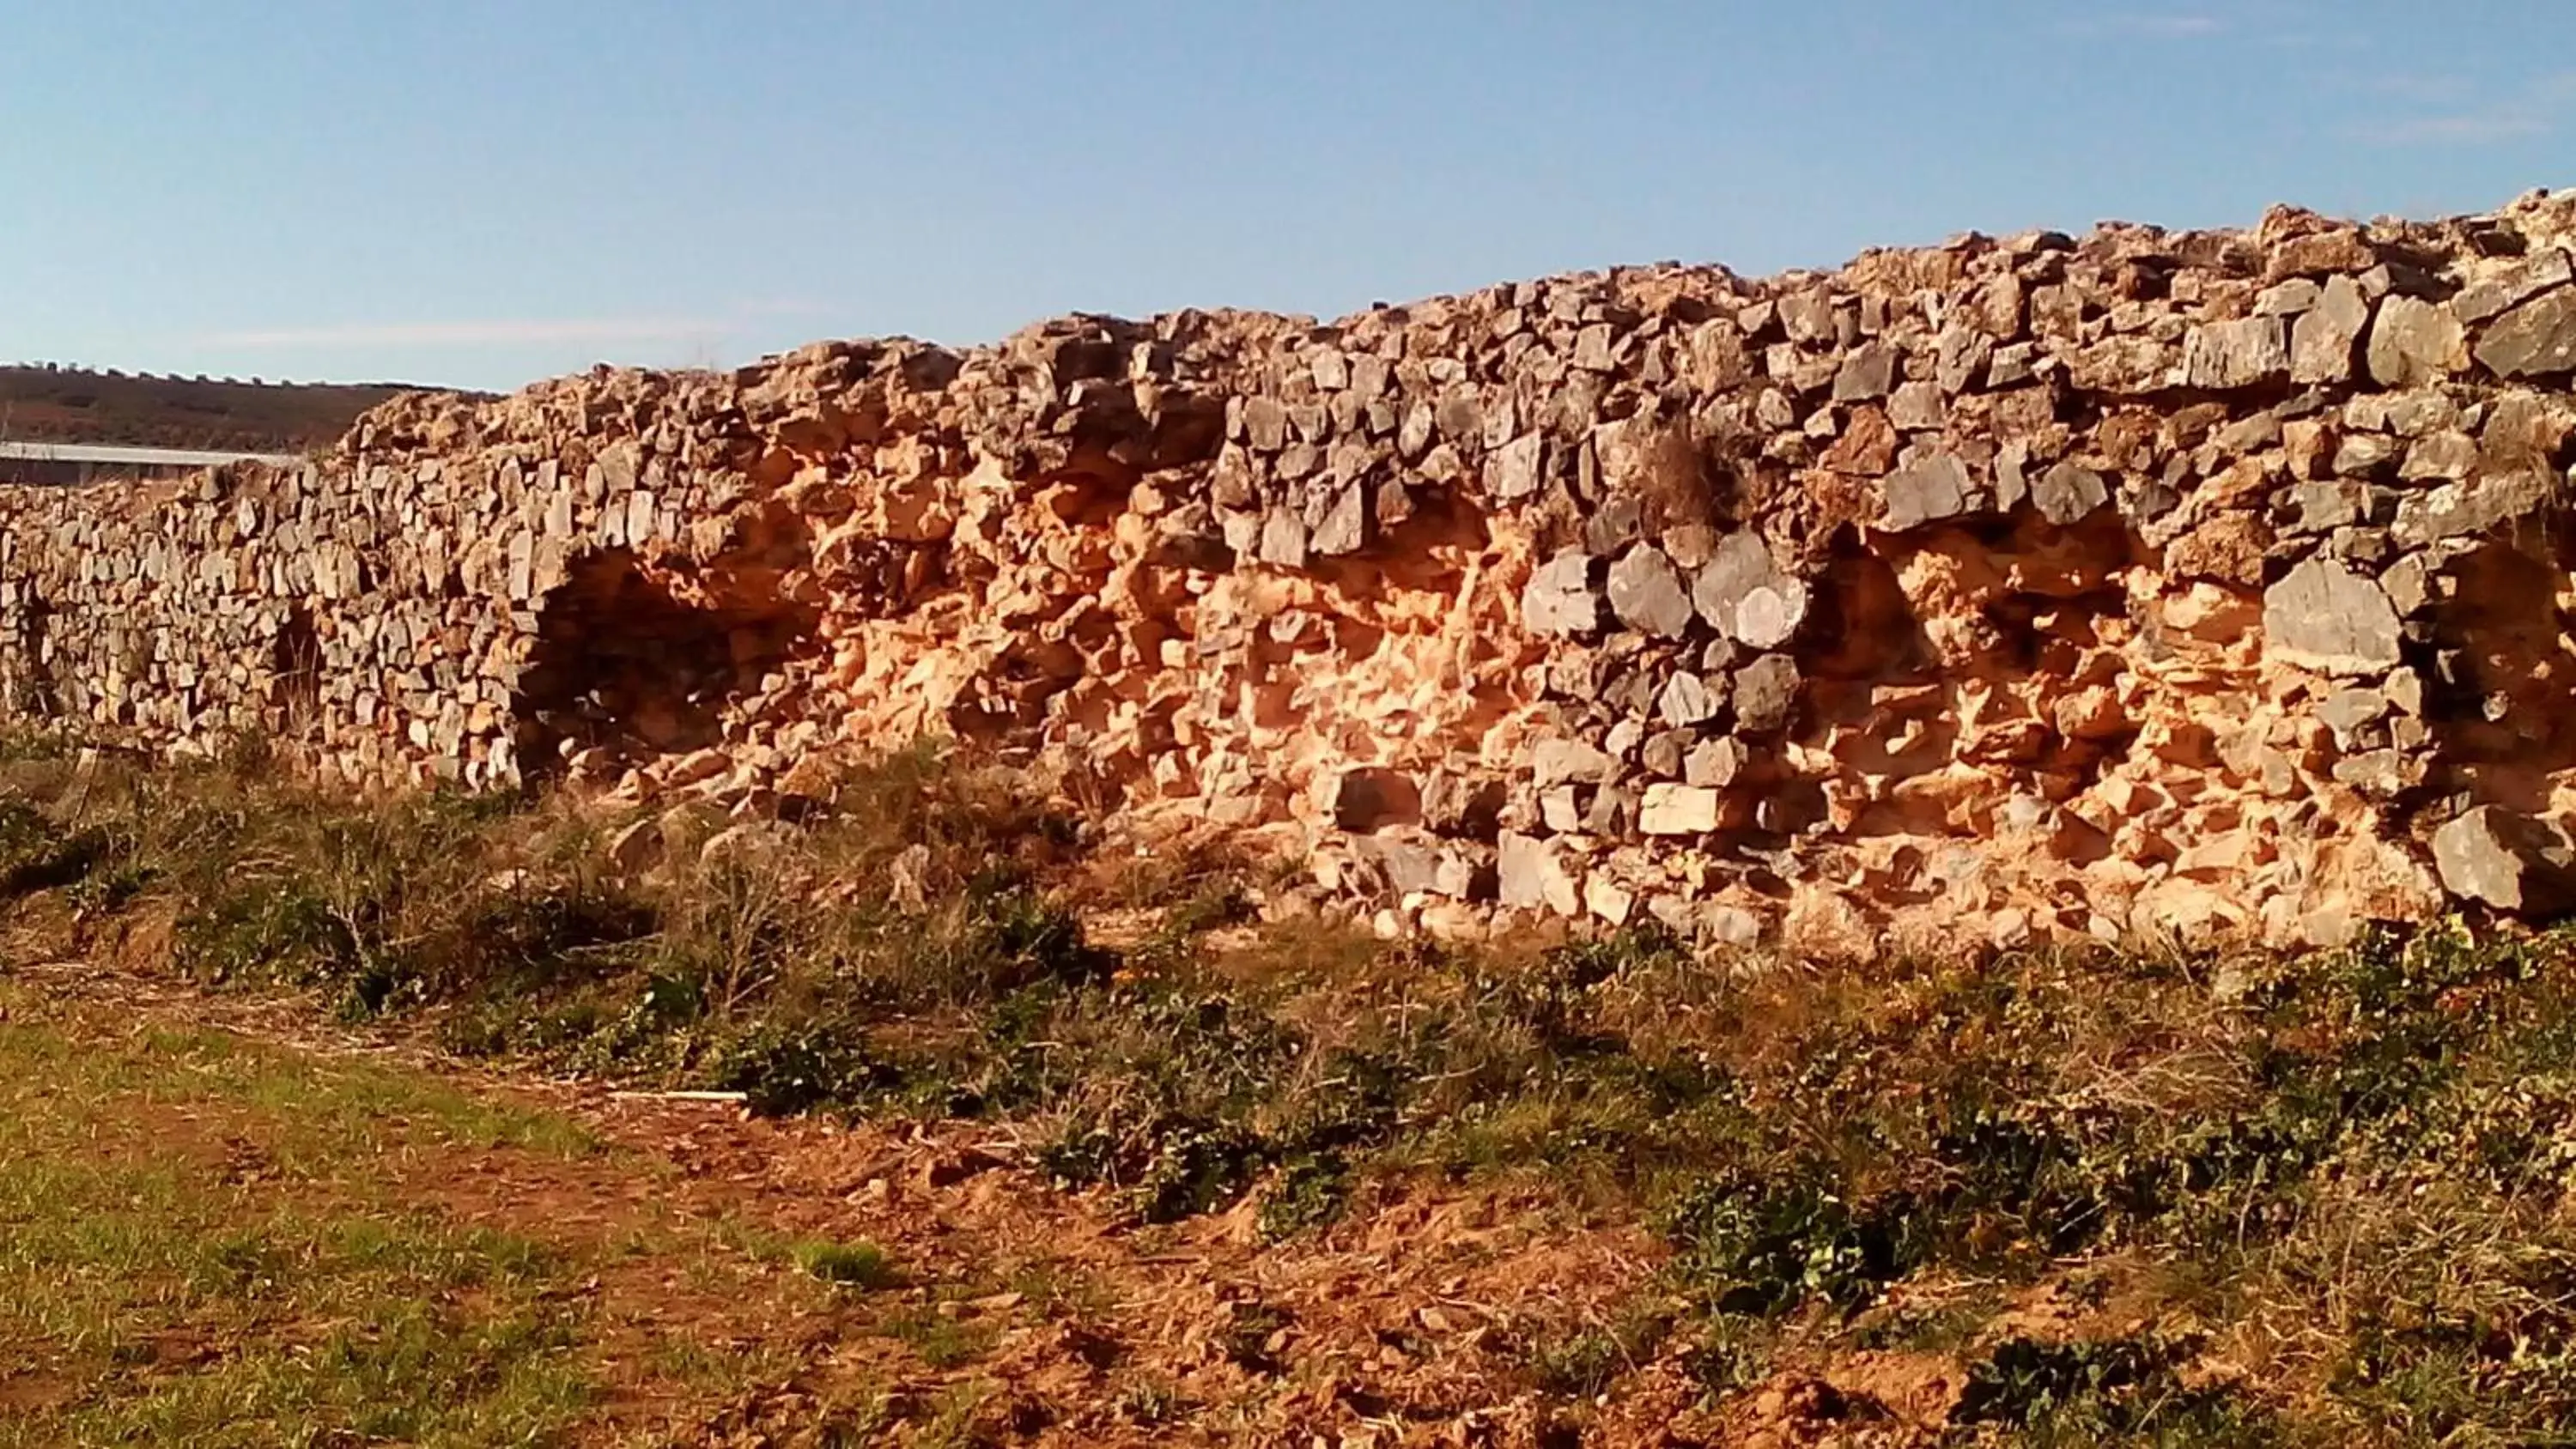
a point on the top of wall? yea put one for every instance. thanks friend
(2118, 303)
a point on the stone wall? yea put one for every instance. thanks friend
(2204, 582)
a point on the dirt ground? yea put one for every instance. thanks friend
(1015, 1312)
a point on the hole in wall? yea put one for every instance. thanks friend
(643, 662)
(295, 673)
(31, 691)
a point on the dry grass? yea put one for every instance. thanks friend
(2128, 1197)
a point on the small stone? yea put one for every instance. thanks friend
(1917, 407)
(1715, 764)
(1648, 595)
(2536, 339)
(2460, 510)
(1593, 348)
(2415, 343)
(1665, 752)
(2377, 774)
(1412, 868)
(2416, 414)
(1560, 599)
(1608, 900)
(2013, 365)
(1769, 616)
(2225, 356)
(1532, 876)
(1932, 487)
(1678, 810)
(1766, 693)
(1517, 468)
(2324, 617)
(1265, 423)
(2405, 690)
(2409, 585)
(2512, 862)
(1345, 526)
(1557, 761)
(2443, 455)
(1687, 700)
(2247, 435)
(1730, 926)
(2363, 455)
(1561, 810)
(2066, 494)
(1963, 355)
(2288, 299)
(1867, 373)
(2307, 447)
(2324, 507)
(2348, 712)
(1283, 539)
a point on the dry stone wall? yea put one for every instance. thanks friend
(2210, 583)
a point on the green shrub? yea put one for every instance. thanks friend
(786, 1069)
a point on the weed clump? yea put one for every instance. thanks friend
(847, 1265)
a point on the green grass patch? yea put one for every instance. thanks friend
(206, 1240)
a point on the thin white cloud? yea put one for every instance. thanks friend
(2417, 88)
(488, 333)
(2538, 109)
(2149, 25)
(2170, 27)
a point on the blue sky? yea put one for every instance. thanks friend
(483, 193)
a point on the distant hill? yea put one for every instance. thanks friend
(71, 405)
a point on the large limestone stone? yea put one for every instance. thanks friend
(1556, 761)
(2537, 339)
(1560, 598)
(2067, 494)
(1932, 487)
(2322, 340)
(2325, 617)
(2222, 356)
(1648, 595)
(2509, 861)
(1739, 565)
(2415, 343)
(1678, 810)
(1766, 693)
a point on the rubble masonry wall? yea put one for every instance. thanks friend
(2206, 582)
